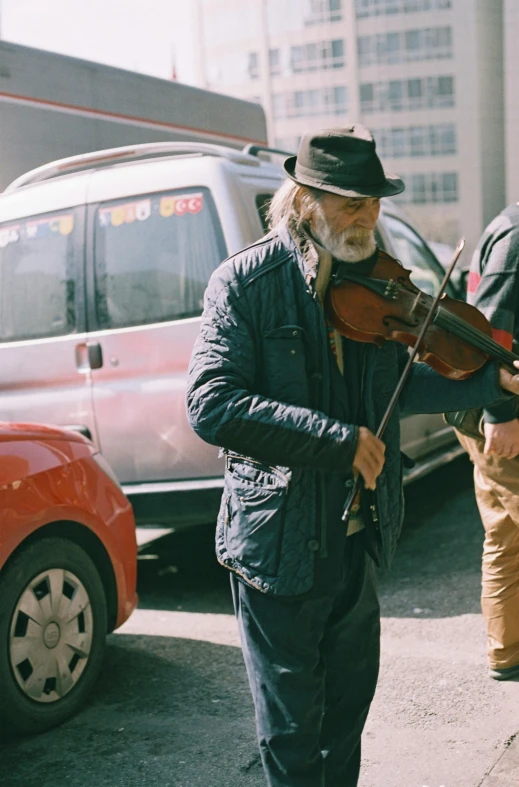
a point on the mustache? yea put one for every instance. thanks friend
(355, 235)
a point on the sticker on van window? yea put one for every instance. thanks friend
(41, 228)
(180, 205)
(9, 235)
(170, 205)
(127, 213)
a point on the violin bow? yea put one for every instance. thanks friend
(405, 374)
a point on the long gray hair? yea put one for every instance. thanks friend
(293, 205)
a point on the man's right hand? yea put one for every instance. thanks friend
(369, 457)
(502, 439)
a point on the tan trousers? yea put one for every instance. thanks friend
(496, 483)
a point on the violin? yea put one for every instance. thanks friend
(449, 335)
(386, 306)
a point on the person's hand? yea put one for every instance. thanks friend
(369, 457)
(502, 439)
(509, 381)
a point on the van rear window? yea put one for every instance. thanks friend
(154, 255)
(40, 261)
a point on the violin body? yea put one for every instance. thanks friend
(387, 306)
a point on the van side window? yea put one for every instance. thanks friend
(40, 260)
(154, 255)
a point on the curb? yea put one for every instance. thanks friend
(505, 772)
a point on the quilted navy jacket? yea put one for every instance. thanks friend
(259, 386)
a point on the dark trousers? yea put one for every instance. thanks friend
(313, 665)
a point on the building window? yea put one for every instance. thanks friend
(450, 187)
(317, 56)
(416, 141)
(309, 103)
(324, 11)
(367, 8)
(274, 62)
(404, 94)
(430, 188)
(431, 43)
(253, 66)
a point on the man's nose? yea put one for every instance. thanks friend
(367, 215)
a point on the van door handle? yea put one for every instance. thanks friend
(89, 355)
(95, 355)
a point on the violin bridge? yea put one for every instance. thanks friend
(416, 301)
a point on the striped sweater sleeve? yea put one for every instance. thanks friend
(493, 287)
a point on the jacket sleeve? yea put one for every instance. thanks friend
(495, 293)
(224, 409)
(426, 391)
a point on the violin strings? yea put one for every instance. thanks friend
(473, 335)
(457, 326)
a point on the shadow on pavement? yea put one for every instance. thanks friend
(166, 711)
(180, 572)
(437, 567)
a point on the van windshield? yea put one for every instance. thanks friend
(154, 255)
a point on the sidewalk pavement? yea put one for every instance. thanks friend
(438, 720)
(505, 772)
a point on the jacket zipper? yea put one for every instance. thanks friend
(320, 491)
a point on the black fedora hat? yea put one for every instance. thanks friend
(343, 161)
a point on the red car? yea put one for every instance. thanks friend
(68, 565)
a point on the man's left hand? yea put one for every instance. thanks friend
(508, 381)
(502, 439)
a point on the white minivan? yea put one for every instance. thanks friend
(104, 259)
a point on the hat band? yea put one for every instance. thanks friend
(351, 174)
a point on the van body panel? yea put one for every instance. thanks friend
(29, 392)
(139, 403)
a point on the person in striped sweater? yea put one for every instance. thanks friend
(493, 287)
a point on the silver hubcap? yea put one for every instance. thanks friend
(51, 635)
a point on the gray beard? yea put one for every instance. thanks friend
(354, 244)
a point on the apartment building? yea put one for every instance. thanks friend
(425, 75)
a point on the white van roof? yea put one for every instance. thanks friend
(162, 165)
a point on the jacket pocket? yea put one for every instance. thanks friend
(284, 365)
(255, 516)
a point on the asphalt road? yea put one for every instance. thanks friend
(172, 707)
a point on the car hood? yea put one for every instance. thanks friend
(10, 431)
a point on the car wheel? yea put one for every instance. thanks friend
(53, 625)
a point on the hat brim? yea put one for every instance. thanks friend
(390, 186)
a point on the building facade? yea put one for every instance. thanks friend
(425, 75)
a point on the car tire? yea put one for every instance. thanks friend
(50, 659)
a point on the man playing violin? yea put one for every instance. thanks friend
(295, 406)
(493, 446)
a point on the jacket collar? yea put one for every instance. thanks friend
(302, 249)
